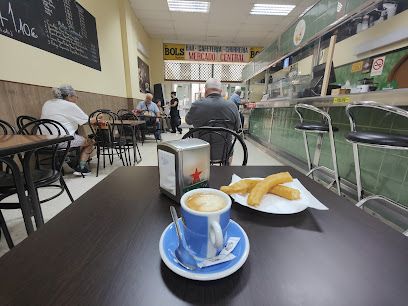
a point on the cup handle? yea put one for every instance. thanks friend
(216, 236)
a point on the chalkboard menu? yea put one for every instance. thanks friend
(62, 27)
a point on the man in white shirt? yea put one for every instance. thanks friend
(65, 110)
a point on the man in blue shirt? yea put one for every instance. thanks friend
(150, 113)
(236, 98)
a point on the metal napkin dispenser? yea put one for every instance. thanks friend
(183, 165)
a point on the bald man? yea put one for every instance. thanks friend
(150, 113)
(216, 109)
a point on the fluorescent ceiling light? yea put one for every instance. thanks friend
(189, 6)
(272, 9)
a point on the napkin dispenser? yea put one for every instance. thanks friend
(183, 165)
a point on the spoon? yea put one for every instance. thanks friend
(183, 256)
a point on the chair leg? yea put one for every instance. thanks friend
(64, 185)
(318, 151)
(309, 163)
(6, 232)
(358, 172)
(104, 156)
(335, 166)
(98, 155)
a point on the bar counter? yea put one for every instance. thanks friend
(395, 97)
(272, 124)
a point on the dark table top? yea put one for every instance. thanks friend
(104, 250)
(13, 144)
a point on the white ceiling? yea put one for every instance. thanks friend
(228, 22)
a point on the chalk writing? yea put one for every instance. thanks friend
(62, 27)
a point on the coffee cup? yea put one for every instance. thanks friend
(206, 216)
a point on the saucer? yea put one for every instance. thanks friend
(169, 243)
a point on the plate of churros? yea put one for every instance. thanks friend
(276, 194)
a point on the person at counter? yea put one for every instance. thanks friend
(236, 98)
(151, 113)
(214, 109)
(64, 109)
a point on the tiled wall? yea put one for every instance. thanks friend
(383, 171)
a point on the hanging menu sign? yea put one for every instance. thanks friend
(207, 53)
(62, 27)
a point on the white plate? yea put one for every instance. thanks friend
(169, 242)
(276, 205)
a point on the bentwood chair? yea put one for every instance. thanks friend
(23, 120)
(131, 133)
(222, 142)
(109, 137)
(375, 140)
(319, 129)
(48, 171)
(5, 177)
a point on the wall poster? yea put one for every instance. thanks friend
(144, 76)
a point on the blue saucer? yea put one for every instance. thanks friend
(169, 242)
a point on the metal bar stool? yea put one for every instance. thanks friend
(320, 129)
(373, 139)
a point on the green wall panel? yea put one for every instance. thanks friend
(343, 73)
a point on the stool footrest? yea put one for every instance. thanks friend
(361, 203)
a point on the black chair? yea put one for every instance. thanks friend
(5, 176)
(109, 137)
(131, 133)
(49, 169)
(150, 126)
(23, 120)
(123, 112)
(222, 142)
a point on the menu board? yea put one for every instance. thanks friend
(62, 27)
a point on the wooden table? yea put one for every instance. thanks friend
(104, 250)
(25, 146)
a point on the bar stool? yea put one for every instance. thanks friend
(320, 129)
(373, 139)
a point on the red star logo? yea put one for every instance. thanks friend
(196, 176)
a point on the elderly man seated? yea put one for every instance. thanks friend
(150, 113)
(214, 110)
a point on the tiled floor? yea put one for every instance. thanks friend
(78, 185)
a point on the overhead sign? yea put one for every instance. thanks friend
(208, 53)
(174, 52)
(378, 66)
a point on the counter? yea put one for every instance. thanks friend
(399, 98)
(272, 123)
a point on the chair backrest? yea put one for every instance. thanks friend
(123, 111)
(300, 108)
(23, 120)
(105, 134)
(125, 114)
(350, 108)
(222, 142)
(6, 128)
(55, 153)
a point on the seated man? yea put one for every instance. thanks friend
(216, 109)
(151, 114)
(65, 110)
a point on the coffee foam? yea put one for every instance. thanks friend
(206, 202)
